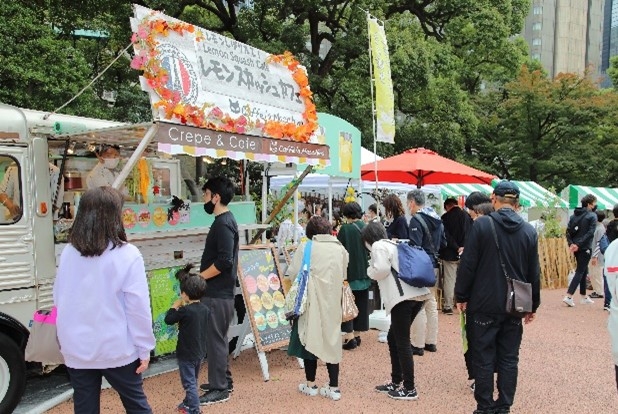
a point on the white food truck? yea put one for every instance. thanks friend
(32, 238)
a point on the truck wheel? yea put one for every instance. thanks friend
(12, 374)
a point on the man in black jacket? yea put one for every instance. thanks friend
(456, 223)
(580, 233)
(480, 290)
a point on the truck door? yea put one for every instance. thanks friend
(17, 277)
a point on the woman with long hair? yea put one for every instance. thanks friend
(104, 322)
(393, 209)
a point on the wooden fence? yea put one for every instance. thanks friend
(556, 262)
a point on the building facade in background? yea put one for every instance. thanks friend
(610, 39)
(566, 35)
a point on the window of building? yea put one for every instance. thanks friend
(536, 41)
(538, 9)
(537, 26)
(10, 190)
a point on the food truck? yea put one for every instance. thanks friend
(196, 113)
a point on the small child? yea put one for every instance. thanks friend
(191, 316)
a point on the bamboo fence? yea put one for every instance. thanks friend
(556, 261)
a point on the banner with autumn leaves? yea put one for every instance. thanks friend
(199, 78)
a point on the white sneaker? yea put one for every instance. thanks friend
(330, 392)
(382, 337)
(586, 301)
(568, 301)
(307, 390)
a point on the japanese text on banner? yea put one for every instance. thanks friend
(385, 105)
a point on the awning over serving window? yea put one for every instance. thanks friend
(607, 197)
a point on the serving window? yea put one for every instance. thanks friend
(11, 203)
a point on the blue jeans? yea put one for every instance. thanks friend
(494, 345)
(189, 372)
(86, 384)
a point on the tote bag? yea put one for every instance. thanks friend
(43, 343)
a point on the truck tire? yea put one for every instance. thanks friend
(12, 374)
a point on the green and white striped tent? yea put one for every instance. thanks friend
(532, 194)
(607, 197)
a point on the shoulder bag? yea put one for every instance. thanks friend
(518, 293)
(43, 343)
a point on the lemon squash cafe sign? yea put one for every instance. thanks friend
(201, 79)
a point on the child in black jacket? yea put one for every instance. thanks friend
(191, 316)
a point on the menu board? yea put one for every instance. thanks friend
(258, 272)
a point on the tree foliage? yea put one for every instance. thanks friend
(455, 67)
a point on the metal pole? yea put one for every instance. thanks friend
(373, 119)
(137, 154)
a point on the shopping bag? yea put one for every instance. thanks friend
(349, 310)
(43, 345)
(296, 299)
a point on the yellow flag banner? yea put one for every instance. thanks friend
(385, 103)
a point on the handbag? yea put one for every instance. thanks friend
(43, 345)
(518, 293)
(296, 299)
(349, 310)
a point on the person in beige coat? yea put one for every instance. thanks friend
(403, 302)
(317, 334)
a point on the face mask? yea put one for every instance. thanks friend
(111, 163)
(209, 207)
(594, 208)
(367, 246)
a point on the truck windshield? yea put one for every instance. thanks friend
(10, 190)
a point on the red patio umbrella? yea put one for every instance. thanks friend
(420, 166)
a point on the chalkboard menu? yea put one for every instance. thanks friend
(258, 271)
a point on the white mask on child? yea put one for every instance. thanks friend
(368, 246)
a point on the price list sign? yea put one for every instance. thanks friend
(258, 272)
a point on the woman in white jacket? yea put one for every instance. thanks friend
(611, 273)
(402, 302)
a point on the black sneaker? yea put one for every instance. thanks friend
(447, 311)
(431, 348)
(358, 340)
(350, 344)
(206, 387)
(403, 394)
(595, 295)
(418, 351)
(214, 397)
(388, 387)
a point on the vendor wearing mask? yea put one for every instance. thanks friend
(104, 173)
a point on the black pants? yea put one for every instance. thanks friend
(582, 258)
(87, 386)
(221, 314)
(361, 322)
(399, 346)
(494, 343)
(311, 368)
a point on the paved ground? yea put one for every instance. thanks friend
(565, 367)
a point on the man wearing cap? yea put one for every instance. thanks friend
(480, 291)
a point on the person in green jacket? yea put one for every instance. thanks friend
(350, 236)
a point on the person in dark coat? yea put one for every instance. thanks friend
(456, 224)
(480, 291)
(579, 234)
